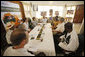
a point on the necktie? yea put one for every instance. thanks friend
(67, 39)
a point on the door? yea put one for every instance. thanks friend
(79, 14)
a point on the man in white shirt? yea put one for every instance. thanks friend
(44, 20)
(58, 32)
(69, 41)
(19, 38)
(34, 21)
(26, 24)
(60, 27)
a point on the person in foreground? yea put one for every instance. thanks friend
(69, 41)
(19, 38)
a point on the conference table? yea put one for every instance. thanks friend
(45, 43)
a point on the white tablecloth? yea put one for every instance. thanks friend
(47, 46)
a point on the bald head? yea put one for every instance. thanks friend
(18, 36)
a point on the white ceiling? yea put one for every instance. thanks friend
(56, 3)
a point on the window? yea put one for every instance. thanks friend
(12, 8)
(26, 10)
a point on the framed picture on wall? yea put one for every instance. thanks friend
(44, 13)
(70, 11)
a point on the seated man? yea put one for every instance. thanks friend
(44, 20)
(19, 38)
(30, 23)
(34, 21)
(59, 30)
(60, 27)
(69, 41)
(26, 24)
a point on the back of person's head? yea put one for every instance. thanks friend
(62, 19)
(33, 18)
(29, 19)
(17, 36)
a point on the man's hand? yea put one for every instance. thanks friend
(29, 30)
(58, 32)
(54, 31)
(62, 38)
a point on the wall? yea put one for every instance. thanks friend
(64, 11)
(53, 3)
(28, 10)
(82, 27)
